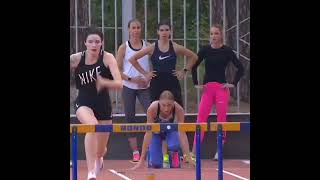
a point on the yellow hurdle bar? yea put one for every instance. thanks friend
(83, 128)
(191, 127)
(136, 127)
(226, 126)
(155, 127)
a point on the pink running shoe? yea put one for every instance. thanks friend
(136, 156)
(175, 160)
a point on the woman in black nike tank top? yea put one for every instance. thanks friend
(95, 72)
(164, 59)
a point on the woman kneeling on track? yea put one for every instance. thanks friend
(164, 110)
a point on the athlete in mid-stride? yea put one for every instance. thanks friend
(95, 71)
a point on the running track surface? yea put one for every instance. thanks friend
(120, 170)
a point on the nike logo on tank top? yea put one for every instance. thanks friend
(164, 62)
(86, 75)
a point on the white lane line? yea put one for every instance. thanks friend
(246, 161)
(119, 174)
(234, 175)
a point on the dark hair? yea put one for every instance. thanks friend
(133, 20)
(166, 95)
(93, 30)
(164, 22)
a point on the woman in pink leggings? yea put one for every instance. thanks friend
(215, 87)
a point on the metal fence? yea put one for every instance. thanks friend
(112, 16)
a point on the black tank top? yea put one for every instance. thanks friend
(159, 120)
(86, 75)
(164, 62)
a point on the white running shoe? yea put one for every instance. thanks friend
(216, 157)
(92, 176)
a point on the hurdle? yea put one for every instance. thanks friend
(76, 129)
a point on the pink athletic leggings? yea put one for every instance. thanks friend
(213, 93)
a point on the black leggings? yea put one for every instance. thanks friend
(164, 82)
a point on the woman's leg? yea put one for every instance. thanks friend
(205, 106)
(222, 97)
(86, 116)
(155, 151)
